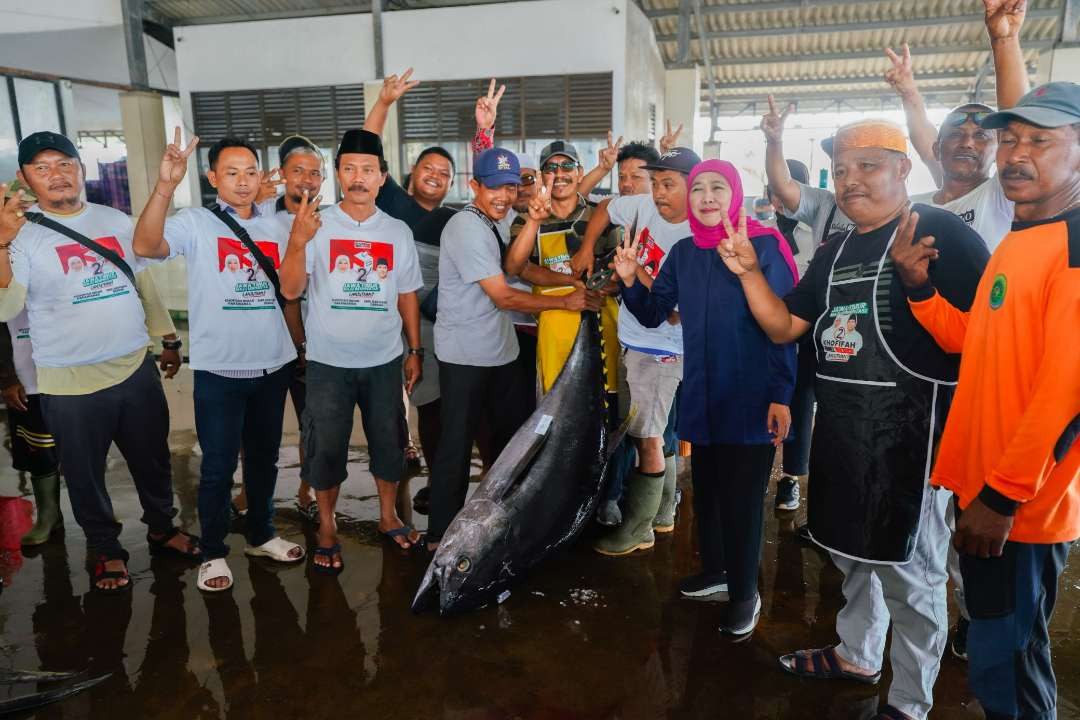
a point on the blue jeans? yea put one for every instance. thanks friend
(1011, 600)
(231, 414)
(797, 447)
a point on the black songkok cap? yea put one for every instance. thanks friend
(363, 142)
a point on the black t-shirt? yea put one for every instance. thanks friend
(955, 274)
(396, 202)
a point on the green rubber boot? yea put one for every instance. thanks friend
(49, 520)
(664, 522)
(641, 499)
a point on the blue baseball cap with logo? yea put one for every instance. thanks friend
(497, 167)
(679, 159)
(1051, 105)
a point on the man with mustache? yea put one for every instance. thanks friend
(879, 417)
(96, 388)
(1010, 451)
(355, 358)
(961, 152)
(474, 337)
(241, 349)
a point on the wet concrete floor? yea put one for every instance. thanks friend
(585, 637)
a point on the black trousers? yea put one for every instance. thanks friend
(501, 397)
(134, 415)
(729, 500)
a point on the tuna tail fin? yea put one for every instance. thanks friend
(616, 438)
(536, 440)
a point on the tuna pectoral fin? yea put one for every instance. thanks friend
(616, 437)
(538, 435)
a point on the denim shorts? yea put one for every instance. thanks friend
(327, 423)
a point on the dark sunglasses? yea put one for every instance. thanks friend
(527, 179)
(958, 118)
(568, 166)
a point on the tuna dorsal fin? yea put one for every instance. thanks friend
(537, 438)
(620, 432)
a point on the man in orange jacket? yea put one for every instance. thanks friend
(1009, 452)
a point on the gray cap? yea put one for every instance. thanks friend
(1051, 105)
(559, 147)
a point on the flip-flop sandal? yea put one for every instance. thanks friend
(160, 546)
(403, 531)
(822, 665)
(214, 569)
(310, 512)
(100, 573)
(276, 549)
(328, 553)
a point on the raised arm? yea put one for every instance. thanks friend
(923, 133)
(517, 256)
(583, 259)
(768, 309)
(486, 111)
(293, 270)
(393, 88)
(149, 238)
(1004, 20)
(776, 169)
(607, 158)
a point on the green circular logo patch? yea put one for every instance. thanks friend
(997, 291)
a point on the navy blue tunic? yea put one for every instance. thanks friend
(731, 370)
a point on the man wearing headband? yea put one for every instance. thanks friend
(355, 358)
(960, 154)
(241, 348)
(1010, 450)
(879, 415)
(96, 387)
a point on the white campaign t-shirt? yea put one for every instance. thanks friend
(985, 209)
(83, 309)
(356, 270)
(22, 352)
(623, 210)
(233, 315)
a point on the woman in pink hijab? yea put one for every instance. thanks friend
(737, 384)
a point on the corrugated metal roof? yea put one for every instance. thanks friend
(822, 52)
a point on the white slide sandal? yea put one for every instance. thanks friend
(211, 569)
(276, 549)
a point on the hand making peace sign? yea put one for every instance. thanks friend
(393, 87)
(772, 123)
(670, 138)
(540, 204)
(736, 249)
(307, 221)
(174, 162)
(486, 105)
(901, 76)
(610, 154)
(912, 259)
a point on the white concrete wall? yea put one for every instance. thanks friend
(644, 77)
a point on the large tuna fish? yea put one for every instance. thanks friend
(536, 496)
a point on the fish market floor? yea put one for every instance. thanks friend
(584, 637)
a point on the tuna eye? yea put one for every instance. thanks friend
(463, 565)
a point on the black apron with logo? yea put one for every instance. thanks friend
(875, 427)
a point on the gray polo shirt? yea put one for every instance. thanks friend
(469, 329)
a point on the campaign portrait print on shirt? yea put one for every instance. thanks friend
(842, 340)
(89, 275)
(246, 285)
(360, 271)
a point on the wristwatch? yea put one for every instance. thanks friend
(418, 351)
(172, 344)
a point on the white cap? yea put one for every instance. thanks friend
(525, 160)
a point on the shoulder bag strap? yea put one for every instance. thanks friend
(265, 263)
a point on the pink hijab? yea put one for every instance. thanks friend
(708, 238)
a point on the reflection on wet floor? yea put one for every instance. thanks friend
(584, 637)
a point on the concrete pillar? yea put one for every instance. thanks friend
(390, 137)
(143, 119)
(682, 103)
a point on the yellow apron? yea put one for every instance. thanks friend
(556, 329)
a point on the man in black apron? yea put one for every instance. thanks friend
(883, 388)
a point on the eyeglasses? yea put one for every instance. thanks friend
(568, 166)
(527, 180)
(958, 118)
